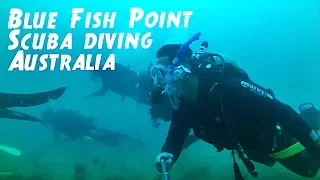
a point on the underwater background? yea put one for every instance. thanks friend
(276, 41)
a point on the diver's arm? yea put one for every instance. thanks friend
(178, 131)
(298, 128)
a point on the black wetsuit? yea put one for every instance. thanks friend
(231, 109)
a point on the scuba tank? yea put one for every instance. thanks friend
(311, 115)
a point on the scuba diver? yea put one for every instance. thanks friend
(126, 82)
(162, 112)
(116, 81)
(9, 100)
(223, 107)
(71, 124)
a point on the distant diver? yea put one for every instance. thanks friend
(225, 108)
(126, 82)
(9, 100)
(72, 124)
(122, 81)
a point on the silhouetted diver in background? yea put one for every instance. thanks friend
(73, 125)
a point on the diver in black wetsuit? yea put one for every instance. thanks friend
(226, 109)
(71, 124)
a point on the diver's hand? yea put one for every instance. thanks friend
(167, 157)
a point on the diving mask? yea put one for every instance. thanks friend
(161, 75)
(169, 82)
(158, 74)
(178, 73)
(181, 73)
(174, 82)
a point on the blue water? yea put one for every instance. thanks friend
(276, 42)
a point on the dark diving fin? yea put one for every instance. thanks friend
(122, 98)
(10, 114)
(8, 100)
